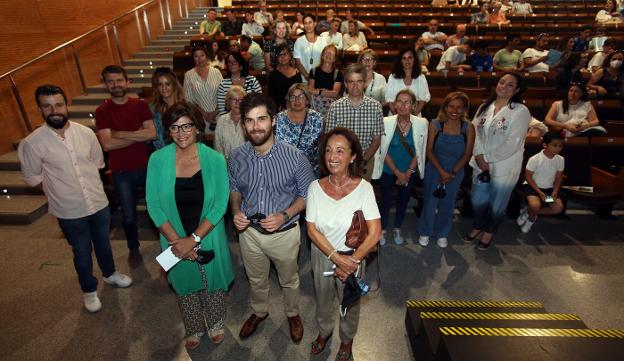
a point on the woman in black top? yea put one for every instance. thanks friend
(325, 80)
(283, 77)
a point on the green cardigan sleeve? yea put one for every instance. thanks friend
(215, 163)
(155, 169)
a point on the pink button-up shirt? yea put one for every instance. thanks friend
(67, 167)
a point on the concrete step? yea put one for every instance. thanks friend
(167, 42)
(94, 99)
(82, 111)
(22, 209)
(166, 48)
(154, 54)
(9, 161)
(87, 122)
(168, 61)
(12, 183)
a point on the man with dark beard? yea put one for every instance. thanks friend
(269, 182)
(63, 158)
(124, 126)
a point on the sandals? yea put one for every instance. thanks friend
(318, 345)
(192, 342)
(482, 246)
(468, 239)
(216, 336)
(345, 355)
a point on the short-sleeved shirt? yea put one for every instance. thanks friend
(453, 55)
(344, 26)
(479, 18)
(349, 41)
(270, 47)
(252, 29)
(269, 183)
(230, 29)
(208, 26)
(534, 54)
(365, 120)
(126, 117)
(333, 217)
(335, 39)
(481, 63)
(506, 59)
(263, 17)
(522, 9)
(67, 168)
(545, 169)
(305, 138)
(309, 54)
(257, 56)
(323, 80)
(596, 60)
(430, 35)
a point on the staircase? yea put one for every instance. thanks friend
(21, 204)
(504, 330)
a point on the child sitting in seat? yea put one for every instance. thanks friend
(543, 177)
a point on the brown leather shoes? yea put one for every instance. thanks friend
(249, 327)
(296, 328)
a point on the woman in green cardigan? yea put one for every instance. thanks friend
(187, 195)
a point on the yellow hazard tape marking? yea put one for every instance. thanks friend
(532, 332)
(473, 304)
(499, 316)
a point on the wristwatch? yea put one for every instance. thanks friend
(286, 216)
(196, 238)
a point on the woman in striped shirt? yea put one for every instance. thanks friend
(237, 74)
(201, 83)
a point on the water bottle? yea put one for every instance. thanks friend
(364, 288)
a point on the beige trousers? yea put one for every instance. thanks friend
(328, 290)
(258, 251)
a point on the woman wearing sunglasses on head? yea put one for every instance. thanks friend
(187, 193)
(166, 90)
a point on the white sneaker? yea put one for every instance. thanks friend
(397, 236)
(92, 302)
(382, 241)
(526, 227)
(423, 240)
(442, 242)
(523, 216)
(118, 280)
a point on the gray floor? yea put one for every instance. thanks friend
(572, 266)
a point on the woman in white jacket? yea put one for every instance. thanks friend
(501, 124)
(400, 159)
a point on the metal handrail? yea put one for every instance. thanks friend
(74, 40)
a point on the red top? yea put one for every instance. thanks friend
(130, 117)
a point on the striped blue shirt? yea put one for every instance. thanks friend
(269, 183)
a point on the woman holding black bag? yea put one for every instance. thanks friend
(331, 204)
(187, 193)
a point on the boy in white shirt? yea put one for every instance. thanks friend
(543, 177)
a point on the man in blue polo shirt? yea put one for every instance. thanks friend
(268, 188)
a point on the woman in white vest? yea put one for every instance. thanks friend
(400, 160)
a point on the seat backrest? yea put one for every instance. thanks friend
(577, 155)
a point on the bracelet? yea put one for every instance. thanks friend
(331, 254)
(411, 170)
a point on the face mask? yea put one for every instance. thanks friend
(616, 63)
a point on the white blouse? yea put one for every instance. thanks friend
(419, 86)
(203, 93)
(376, 88)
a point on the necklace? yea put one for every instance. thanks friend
(404, 129)
(338, 186)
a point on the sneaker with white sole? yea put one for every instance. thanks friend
(523, 216)
(92, 302)
(118, 280)
(398, 239)
(423, 240)
(382, 241)
(526, 227)
(442, 242)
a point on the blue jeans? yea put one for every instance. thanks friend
(403, 197)
(438, 224)
(80, 234)
(489, 200)
(127, 185)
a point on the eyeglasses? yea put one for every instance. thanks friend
(368, 60)
(297, 97)
(404, 102)
(186, 128)
(236, 100)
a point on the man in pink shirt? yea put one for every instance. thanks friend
(63, 158)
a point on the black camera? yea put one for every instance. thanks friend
(204, 256)
(484, 177)
(256, 218)
(440, 191)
